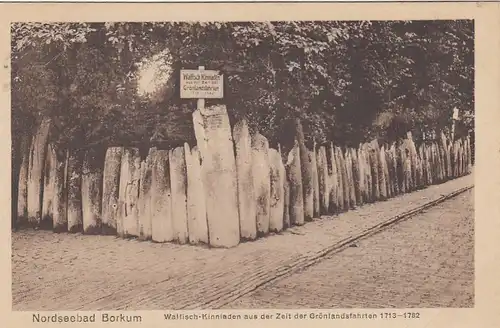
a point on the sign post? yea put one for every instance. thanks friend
(201, 84)
(455, 119)
(201, 101)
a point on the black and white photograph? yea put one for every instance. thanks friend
(239, 165)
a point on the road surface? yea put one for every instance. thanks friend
(426, 261)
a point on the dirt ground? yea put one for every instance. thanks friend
(410, 264)
(426, 261)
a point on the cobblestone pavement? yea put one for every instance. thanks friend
(426, 261)
(77, 272)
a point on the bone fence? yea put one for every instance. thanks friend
(230, 187)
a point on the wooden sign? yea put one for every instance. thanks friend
(201, 84)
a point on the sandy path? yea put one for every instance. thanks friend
(426, 261)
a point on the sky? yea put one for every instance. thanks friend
(153, 73)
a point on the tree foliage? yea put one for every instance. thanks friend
(346, 81)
